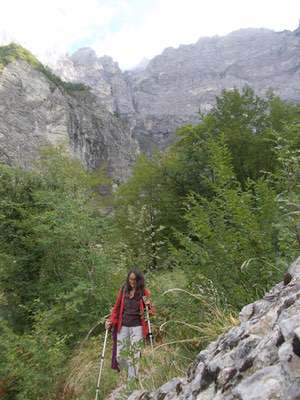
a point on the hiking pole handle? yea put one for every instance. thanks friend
(149, 325)
(101, 364)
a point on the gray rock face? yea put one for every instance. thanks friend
(127, 111)
(256, 360)
(170, 90)
(34, 111)
(102, 74)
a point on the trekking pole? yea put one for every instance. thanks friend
(101, 364)
(149, 326)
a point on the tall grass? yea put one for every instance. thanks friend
(167, 360)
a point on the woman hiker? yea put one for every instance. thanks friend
(128, 321)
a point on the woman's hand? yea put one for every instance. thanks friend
(108, 324)
(147, 301)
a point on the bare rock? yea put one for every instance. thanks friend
(35, 111)
(170, 89)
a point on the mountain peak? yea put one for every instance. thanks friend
(84, 55)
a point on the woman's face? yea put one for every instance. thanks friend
(132, 280)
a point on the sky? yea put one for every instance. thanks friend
(130, 30)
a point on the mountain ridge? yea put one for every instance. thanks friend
(176, 84)
(109, 116)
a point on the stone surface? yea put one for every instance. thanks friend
(34, 111)
(169, 90)
(139, 109)
(257, 360)
(264, 384)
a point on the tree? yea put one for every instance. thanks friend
(230, 237)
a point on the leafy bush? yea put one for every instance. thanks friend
(31, 363)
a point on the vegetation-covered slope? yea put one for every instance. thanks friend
(14, 51)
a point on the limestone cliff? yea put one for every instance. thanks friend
(125, 111)
(36, 110)
(172, 87)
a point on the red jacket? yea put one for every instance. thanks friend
(117, 311)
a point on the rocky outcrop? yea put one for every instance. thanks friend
(139, 109)
(256, 360)
(169, 90)
(102, 74)
(35, 111)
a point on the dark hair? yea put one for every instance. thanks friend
(140, 282)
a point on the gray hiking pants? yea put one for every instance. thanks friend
(130, 339)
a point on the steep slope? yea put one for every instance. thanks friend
(170, 90)
(256, 360)
(37, 108)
